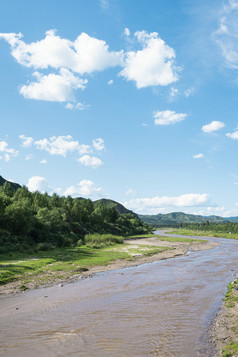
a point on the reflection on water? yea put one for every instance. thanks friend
(157, 309)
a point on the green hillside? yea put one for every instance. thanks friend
(13, 185)
(119, 207)
(175, 218)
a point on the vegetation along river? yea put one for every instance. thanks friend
(164, 308)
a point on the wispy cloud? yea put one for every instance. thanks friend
(157, 203)
(198, 156)
(226, 35)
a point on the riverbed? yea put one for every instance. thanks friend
(163, 308)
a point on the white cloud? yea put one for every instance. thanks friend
(168, 117)
(213, 126)
(104, 4)
(188, 92)
(26, 141)
(233, 135)
(110, 82)
(227, 33)
(84, 55)
(78, 106)
(71, 58)
(127, 32)
(83, 188)
(60, 145)
(159, 203)
(151, 66)
(28, 157)
(6, 151)
(37, 183)
(91, 161)
(198, 156)
(63, 62)
(84, 149)
(43, 162)
(98, 144)
(130, 191)
(53, 87)
(173, 92)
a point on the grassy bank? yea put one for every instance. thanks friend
(231, 304)
(62, 263)
(190, 232)
(169, 239)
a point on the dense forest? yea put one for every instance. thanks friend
(229, 227)
(30, 221)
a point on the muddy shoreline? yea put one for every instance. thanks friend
(176, 249)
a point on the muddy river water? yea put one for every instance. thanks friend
(163, 308)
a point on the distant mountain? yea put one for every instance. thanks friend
(176, 218)
(13, 185)
(119, 207)
(232, 219)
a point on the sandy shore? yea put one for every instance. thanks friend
(176, 249)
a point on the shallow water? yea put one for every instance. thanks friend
(158, 309)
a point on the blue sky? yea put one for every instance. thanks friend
(130, 100)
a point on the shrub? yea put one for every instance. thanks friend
(100, 240)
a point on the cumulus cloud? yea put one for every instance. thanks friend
(26, 141)
(151, 66)
(60, 145)
(7, 152)
(91, 161)
(198, 156)
(72, 59)
(53, 87)
(98, 144)
(168, 117)
(227, 33)
(213, 126)
(84, 55)
(59, 64)
(233, 135)
(158, 203)
(37, 183)
(83, 188)
(110, 82)
(43, 162)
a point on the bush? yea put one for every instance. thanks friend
(44, 246)
(101, 240)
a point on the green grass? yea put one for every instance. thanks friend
(168, 239)
(66, 260)
(190, 232)
(48, 266)
(146, 250)
(230, 350)
(230, 299)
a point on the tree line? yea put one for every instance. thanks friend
(231, 227)
(30, 221)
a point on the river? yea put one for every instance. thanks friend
(163, 308)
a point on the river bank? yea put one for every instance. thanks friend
(225, 328)
(134, 252)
